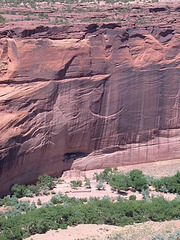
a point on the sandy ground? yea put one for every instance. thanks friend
(101, 232)
(158, 169)
(140, 231)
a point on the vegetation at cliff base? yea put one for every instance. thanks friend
(168, 184)
(72, 211)
(136, 180)
(76, 184)
(22, 219)
(43, 185)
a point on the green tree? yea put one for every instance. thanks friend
(119, 182)
(168, 184)
(46, 181)
(138, 180)
(107, 174)
(19, 190)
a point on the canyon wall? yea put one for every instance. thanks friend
(86, 97)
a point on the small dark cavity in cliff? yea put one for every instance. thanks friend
(73, 156)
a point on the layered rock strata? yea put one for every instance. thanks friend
(86, 97)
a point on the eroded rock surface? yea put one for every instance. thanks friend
(85, 97)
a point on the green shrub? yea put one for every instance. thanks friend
(119, 198)
(19, 190)
(33, 189)
(97, 176)
(87, 183)
(132, 197)
(107, 174)
(43, 185)
(119, 182)
(100, 185)
(47, 204)
(9, 200)
(106, 197)
(46, 181)
(24, 191)
(158, 237)
(149, 179)
(58, 198)
(21, 207)
(168, 184)
(145, 194)
(95, 211)
(161, 209)
(75, 184)
(1, 202)
(39, 203)
(44, 190)
(175, 235)
(138, 180)
(29, 193)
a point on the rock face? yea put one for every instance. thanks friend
(87, 96)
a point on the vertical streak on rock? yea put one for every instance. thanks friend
(110, 92)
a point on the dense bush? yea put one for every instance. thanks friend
(122, 182)
(58, 198)
(8, 201)
(168, 184)
(95, 211)
(149, 179)
(119, 182)
(138, 180)
(23, 219)
(19, 190)
(34, 189)
(21, 207)
(43, 185)
(46, 181)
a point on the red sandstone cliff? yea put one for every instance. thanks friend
(104, 91)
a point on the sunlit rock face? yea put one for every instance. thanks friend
(87, 97)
